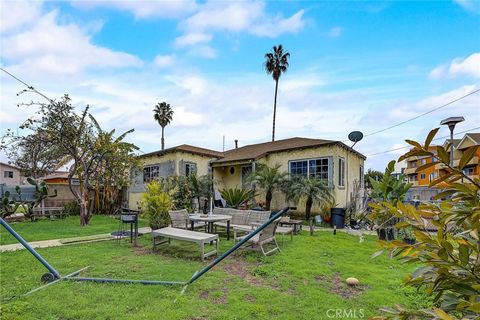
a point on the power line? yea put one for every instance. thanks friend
(420, 115)
(38, 92)
(405, 147)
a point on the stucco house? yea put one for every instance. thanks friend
(10, 175)
(333, 161)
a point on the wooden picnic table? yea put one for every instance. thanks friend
(199, 238)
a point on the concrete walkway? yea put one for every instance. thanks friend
(62, 242)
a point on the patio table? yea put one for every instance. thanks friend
(209, 220)
(297, 225)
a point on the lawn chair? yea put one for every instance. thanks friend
(260, 240)
(179, 219)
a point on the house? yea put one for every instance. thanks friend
(420, 180)
(179, 160)
(333, 161)
(10, 175)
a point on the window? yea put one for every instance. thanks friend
(468, 171)
(432, 176)
(8, 174)
(341, 172)
(422, 176)
(423, 161)
(362, 177)
(190, 168)
(313, 168)
(246, 172)
(150, 173)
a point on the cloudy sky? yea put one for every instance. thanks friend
(354, 66)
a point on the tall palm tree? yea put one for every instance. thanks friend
(268, 179)
(310, 189)
(276, 63)
(163, 114)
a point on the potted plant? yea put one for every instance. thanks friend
(155, 206)
(326, 209)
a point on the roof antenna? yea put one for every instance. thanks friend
(355, 136)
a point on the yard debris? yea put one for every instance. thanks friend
(352, 281)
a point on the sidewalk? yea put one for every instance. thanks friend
(62, 242)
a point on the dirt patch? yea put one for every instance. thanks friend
(141, 251)
(242, 269)
(250, 298)
(223, 298)
(204, 295)
(338, 286)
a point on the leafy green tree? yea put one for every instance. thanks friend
(200, 187)
(388, 188)
(163, 114)
(269, 179)
(276, 63)
(372, 174)
(449, 259)
(311, 190)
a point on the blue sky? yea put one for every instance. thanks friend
(354, 66)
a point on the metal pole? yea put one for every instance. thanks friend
(30, 249)
(238, 245)
(108, 280)
(451, 127)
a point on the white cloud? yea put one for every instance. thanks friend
(163, 61)
(192, 39)
(16, 14)
(335, 32)
(469, 5)
(47, 48)
(143, 9)
(469, 66)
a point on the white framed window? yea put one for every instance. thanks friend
(8, 174)
(319, 168)
(423, 161)
(361, 177)
(150, 173)
(432, 176)
(469, 171)
(341, 172)
(422, 176)
(246, 172)
(190, 168)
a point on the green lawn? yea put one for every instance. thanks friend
(303, 281)
(61, 228)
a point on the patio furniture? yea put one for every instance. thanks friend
(242, 219)
(209, 220)
(200, 238)
(297, 224)
(179, 219)
(284, 231)
(129, 217)
(49, 212)
(264, 237)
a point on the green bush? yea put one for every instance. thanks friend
(235, 197)
(155, 205)
(71, 208)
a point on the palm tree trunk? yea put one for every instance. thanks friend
(274, 109)
(308, 208)
(163, 140)
(268, 200)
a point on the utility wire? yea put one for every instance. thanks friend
(405, 147)
(420, 115)
(38, 92)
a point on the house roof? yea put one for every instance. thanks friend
(185, 148)
(256, 151)
(56, 175)
(473, 136)
(8, 165)
(456, 142)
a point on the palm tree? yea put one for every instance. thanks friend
(276, 63)
(163, 114)
(268, 179)
(312, 190)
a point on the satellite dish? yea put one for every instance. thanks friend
(355, 136)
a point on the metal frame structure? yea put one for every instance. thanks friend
(54, 276)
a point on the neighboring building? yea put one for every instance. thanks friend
(180, 160)
(10, 175)
(58, 181)
(421, 180)
(336, 163)
(400, 168)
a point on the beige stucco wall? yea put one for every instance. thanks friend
(224, 179)
(17, 177)
(202, 163)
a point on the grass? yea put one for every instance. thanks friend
(303, 281)
(61, 228)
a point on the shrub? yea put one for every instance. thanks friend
(71, 208)
(450, 259)
(235, 197)
(155, 205)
